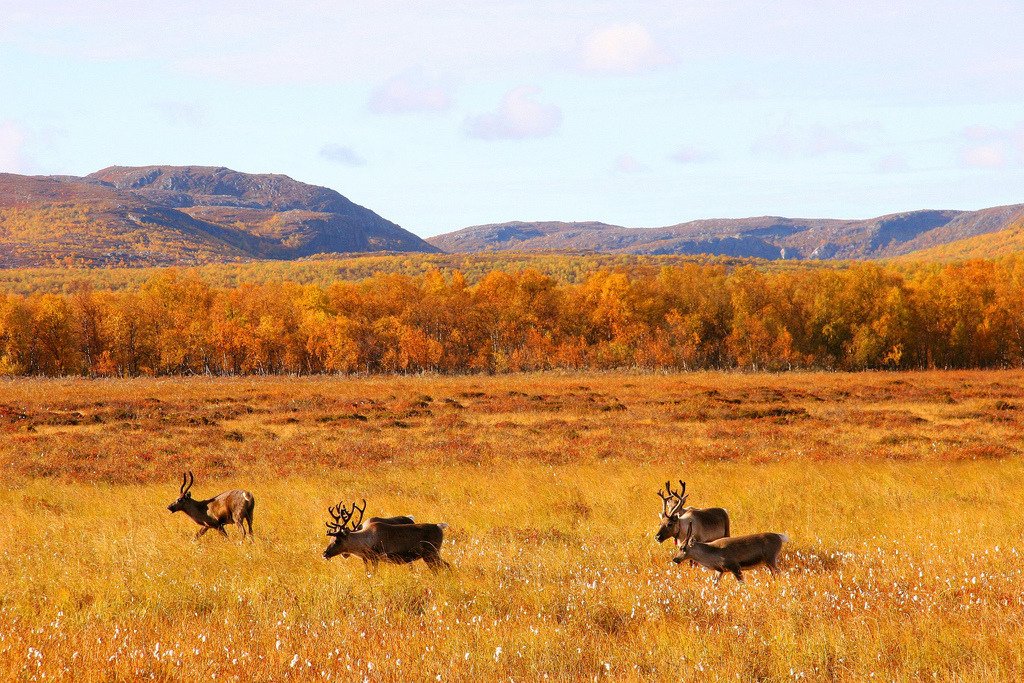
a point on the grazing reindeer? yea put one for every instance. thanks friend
(233, 506)
(380, 540)
(708, 524)
(733, 554)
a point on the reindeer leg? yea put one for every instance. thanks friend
(435, 562)
(202, 531)
(223, 531)
(718, 577)
(737, 573)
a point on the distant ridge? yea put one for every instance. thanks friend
(769, 237)
(194, 215)
(182, 215)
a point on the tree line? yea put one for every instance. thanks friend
(688, 316)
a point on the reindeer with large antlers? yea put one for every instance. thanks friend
(381, 540)
(230, 507)
(708, 524)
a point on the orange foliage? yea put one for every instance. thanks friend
(684, 316)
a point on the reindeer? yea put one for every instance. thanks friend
(708, 524)
(398, 519)
(733, 554)
(381, 540)
(233, 506)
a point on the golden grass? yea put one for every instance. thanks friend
(900, 492)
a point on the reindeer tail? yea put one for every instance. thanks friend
(443, 525)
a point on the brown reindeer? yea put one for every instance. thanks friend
(398, 519)
(233, 506)
(378, 541)
(708, 524)
(733, 554)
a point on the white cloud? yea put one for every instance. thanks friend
(814, 140)
(518, 116)
(983, 156)
(627, 163)
(621, 49)
(12, 147)
(340, 154)
(992, 147)
(690, 155)
(405, 94)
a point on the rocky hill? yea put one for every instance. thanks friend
(182, 215)
(191, 215)
(770, 237)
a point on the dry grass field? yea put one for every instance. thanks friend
(901, 493)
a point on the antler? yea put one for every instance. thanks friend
(342, 516)
(335, 512)
(190, 479)
(665, 499)
(361, 511)
(680, 497)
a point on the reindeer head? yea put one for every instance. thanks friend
(684, 550)
(186, 485)
(671, 506)
(341, 527)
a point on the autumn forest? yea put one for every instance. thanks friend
(681, 316)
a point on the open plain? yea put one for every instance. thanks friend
(900, 492)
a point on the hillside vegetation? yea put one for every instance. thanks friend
(153, 216)
(181, 215)
(687, 316)
(552, 512)
(765, 237)
(329, 268)
(988, 245)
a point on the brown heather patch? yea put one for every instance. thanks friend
(147, 429)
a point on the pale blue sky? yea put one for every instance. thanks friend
(440, 115)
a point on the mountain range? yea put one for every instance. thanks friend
(190, 215)
(768, 237)
(182, 215)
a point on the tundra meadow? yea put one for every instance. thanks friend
(900, 492)
(511, 269)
